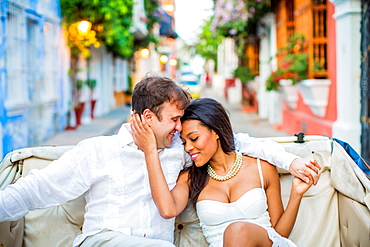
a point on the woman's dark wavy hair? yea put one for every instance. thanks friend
(214, 116)
(152, 91)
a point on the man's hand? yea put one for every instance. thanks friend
(142, 134)
(306, 170)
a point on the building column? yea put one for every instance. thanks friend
(348, 18)
(267, 32)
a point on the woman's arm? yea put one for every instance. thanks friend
(283, 221)
(169, 203)
(287, 220)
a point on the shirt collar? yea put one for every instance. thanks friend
(124, 135)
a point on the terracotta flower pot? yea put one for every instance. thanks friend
(93, 103)
(79, 111)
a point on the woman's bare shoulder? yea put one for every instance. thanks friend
(267, 168)
(264, 164)
(270, 173)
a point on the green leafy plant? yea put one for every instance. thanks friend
(91, 83)
(111, 22)
(152, 17)
(208, 42)
(243, 73)
(294, 64)
(238, 17)
(80, 84)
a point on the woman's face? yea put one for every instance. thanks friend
(199, 141)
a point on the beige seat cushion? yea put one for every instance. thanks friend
(333, 213)
(354, 222)
(53, 226)
(317, 223)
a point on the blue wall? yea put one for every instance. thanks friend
(36, 120)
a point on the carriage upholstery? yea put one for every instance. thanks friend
(335, 212)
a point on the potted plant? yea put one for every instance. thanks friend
(293, 66)
(292, 70)
(80, 106)
(244, 74)
(91, 83)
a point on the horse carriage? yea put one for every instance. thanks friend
(335, 212)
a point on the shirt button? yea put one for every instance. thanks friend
(180, 226)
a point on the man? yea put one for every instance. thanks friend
(112, 172)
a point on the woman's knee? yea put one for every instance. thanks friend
(245, 234)
(237, 228)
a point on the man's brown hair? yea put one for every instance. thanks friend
(152, 91)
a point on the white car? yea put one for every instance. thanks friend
(190, 82)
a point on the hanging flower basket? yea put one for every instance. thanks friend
(290, 92)
(315, 93)
(294, 64)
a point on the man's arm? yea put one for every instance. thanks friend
(275, 153)
(59, 182)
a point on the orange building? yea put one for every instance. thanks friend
(313, 19)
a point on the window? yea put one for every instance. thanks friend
(32, 59)
(310, 19)
(120, 75)
(290, 18)
(318, 63)
(253, 57)
(50, 61)
(15, 66)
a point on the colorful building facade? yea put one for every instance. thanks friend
(33, 77)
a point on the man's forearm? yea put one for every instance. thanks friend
(270, 151)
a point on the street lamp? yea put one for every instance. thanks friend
(145, 53)
(163, 59)
(173, 62)
(84, 27)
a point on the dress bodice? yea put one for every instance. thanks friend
(251, 207)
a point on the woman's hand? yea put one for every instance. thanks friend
(142, 134)
(300, 187)
(306, 170)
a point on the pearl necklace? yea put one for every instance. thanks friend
(233, 171)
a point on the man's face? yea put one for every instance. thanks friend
(165, 129)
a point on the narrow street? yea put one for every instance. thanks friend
(243, 121)
(109, 124)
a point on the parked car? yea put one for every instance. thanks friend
(191, 82)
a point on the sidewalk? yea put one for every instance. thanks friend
(105, 125)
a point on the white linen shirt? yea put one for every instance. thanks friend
(112, 172)
(268, 150)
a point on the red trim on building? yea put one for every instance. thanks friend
(302, 119)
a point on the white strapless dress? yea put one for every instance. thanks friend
(215, 216)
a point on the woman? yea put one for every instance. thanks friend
(237, 197)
